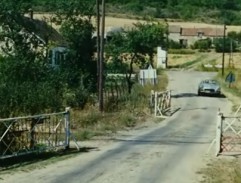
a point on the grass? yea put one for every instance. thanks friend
(222, 171)
(130, 113)
(188, 63)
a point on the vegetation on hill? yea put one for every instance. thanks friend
(215, 11)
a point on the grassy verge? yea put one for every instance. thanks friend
(130, 113)
(222, 170)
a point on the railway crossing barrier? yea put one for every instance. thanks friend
(228, 134)
(24, 135)
(160, 102)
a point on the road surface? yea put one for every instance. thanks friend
(172, 151)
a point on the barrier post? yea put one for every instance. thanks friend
(67, 127)
(219, 133)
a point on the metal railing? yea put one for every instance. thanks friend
(23, 135)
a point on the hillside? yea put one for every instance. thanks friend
(127, 22)
(215, 11)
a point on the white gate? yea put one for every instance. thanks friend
(160, 102)
(22, 135)
(228, 134)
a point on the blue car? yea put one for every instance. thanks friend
(209, 87)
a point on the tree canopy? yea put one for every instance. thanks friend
(136, 47)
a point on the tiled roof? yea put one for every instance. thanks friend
(174, 29)
(208, 32)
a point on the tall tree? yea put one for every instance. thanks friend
(136, 46)
(27, 84)
(75, 19)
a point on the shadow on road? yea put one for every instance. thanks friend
(183, 95)
(186, 95)
(28, 159)
(165, 141)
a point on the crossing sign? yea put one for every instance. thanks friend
(230, 78)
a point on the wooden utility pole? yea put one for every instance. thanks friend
(167, 41)
(101, 78)
(230, 62)
(224, 37)
(98, 40)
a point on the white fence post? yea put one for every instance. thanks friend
(219, 133)
(156, 104)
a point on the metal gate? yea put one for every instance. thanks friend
(22, 135)
(228, 135)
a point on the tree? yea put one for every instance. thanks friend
(230, 45)
(136, 46)
(79, 69)
(203, 44)
(27, 84)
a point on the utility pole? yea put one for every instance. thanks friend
(98, 40)
(224, 37)
(101, 78)
(230, 63)
(167, 41)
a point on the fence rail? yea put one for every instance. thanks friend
(228, 135)
(160, 102)
(23, 135)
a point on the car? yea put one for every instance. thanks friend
(209, 87)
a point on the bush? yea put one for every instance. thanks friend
(174, 45)
(202, 45)
(181, 51)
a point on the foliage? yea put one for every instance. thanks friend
(202, 45)
(27, 84)
(224, 45)
(181, 51)
(79, 67)
(174, 44)
(28, 88)
(235, 36)
(136, 46)
(227, 11)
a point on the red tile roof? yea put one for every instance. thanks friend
(208, 32)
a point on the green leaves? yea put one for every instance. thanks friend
(136, 46)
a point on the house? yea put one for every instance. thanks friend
(188, 36)
(194, 34)
(36, 32)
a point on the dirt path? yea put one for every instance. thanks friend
(168, 152)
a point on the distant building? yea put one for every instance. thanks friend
(188, 36)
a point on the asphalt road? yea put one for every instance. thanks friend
(169, 152)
